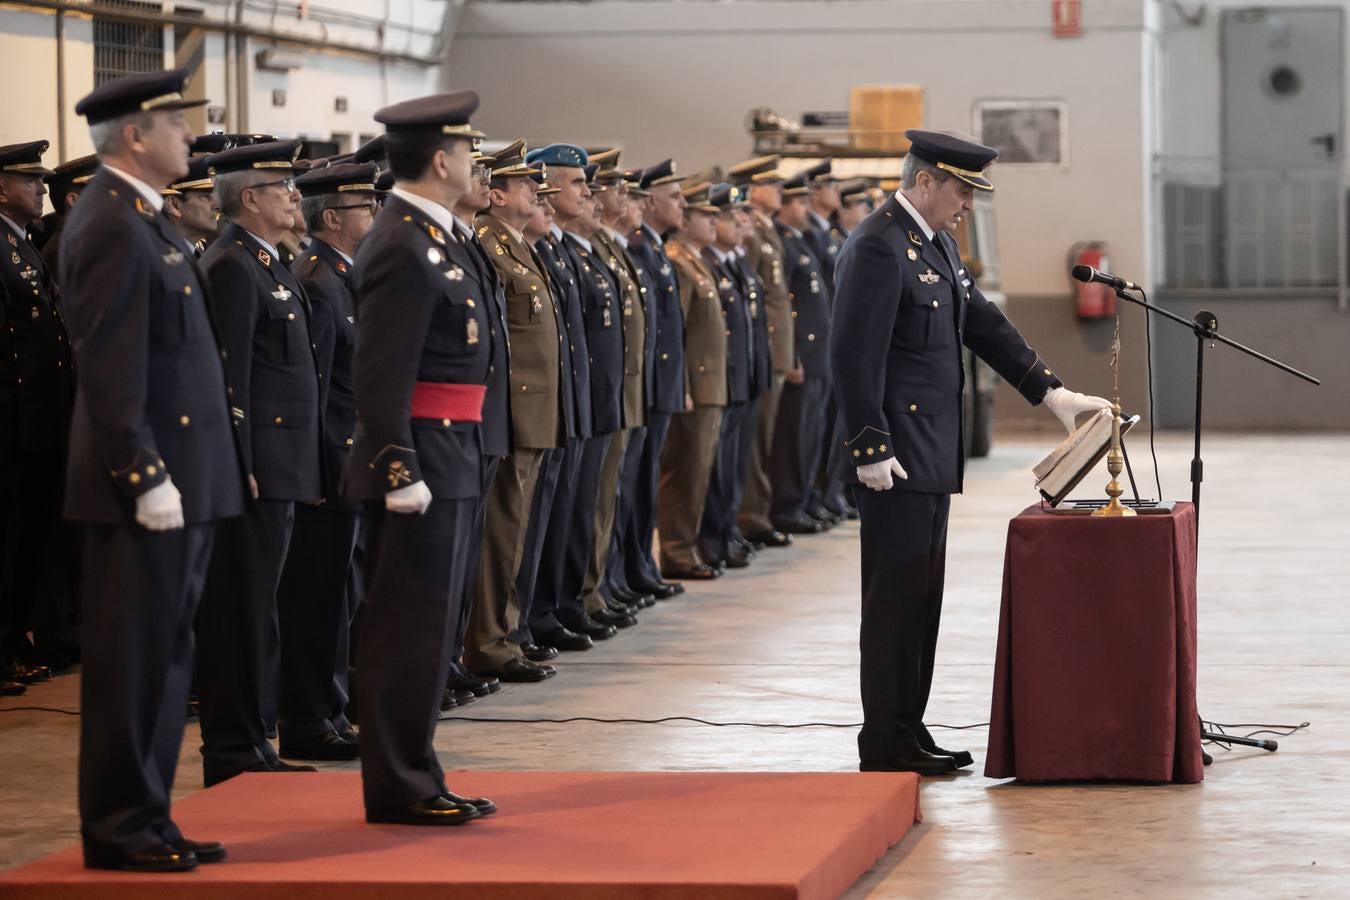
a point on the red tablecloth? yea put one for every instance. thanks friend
(1095, 674)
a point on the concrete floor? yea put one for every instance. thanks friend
(777, 644)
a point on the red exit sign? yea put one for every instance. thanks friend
(1066, 18)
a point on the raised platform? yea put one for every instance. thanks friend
(559, 835)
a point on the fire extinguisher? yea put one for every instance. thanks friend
(1091, 301)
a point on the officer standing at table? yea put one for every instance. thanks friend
(153, 466)
(423, 351)
(903, 308)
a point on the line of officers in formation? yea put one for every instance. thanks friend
(463, 392)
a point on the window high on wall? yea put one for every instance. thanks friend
(125, 47)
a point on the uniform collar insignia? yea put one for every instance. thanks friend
(341, 266)
(482, 230)
(436, 234)
(13, 241)
(144, 208)
(265, 258)
(915, 239)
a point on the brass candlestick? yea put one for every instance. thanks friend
(1115, 460)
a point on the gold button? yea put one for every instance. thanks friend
(151, 470)
(134, 478)
(1047, 371)
(665, 356)
(794, 314)
(290, 315)
(349, 442)
(277, 420)
(700, 368)
(445, 422)
(187, 289)
(914, 407)
(469, 303)
(935, 304)
(524, 387)
(534, 287)
(184, 420)
(810, 337)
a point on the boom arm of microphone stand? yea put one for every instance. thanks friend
(1211, 334)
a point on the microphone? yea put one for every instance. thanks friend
(1088, 274)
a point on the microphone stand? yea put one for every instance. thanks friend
(1205, 326)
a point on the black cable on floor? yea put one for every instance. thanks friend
(1222, 728)
(669, 719)
(48, 709)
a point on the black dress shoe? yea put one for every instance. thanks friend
(463, 696)
(24, 673)
(735, 561)
(961, 757)
(538, 653)
(479, 687)
(205, 851)
(350, 736)
(568, 640)
(436, 811)
(159, 858)
(920, 761)
(518, 671)
(596, 631)
(484, 806)
(11, 689)
(617, 619)
(635, 599)
(213, 777)
(701, 572)
(448, 701)
(773, 538)
(799, 526)
(328, 746)
(281, 765)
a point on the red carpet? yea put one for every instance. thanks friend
(560, 835)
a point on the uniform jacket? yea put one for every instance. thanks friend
(668, 378)
(810, 297)
(261, 316)
(151, 400)
(764, 252)
(600, 304)
(752, 288)
(568, 291)
(535, 322)
(496, 430)
(825, 243)
(705, 334)
(417, 319)
(901, 315)
(634, 321)
(327, 281)
(739, 334)
(37, 382)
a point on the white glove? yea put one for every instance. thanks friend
(1069, 405)
(415, 498)
(161, 507)
(877, 476)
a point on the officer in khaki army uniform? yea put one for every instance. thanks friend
(262, 318)
(423, 352)
(764, 255)
(691, 447)
(153, 467)
(537, 411)
(37, 389)
(905, 306)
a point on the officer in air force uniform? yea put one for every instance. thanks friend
(423, 352)
(153, 465)
(903, 308)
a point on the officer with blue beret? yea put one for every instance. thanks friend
(904, 307)
(154, 465)
(421, 368)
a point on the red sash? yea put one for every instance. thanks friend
(456, 402)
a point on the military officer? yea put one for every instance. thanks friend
(463, 686)
(64, 187)
(509, 564)
(717, 540)
(662, 212)
(904, 308)
(262, 318)
(691, 447)
(37, 387)
(822, 204)
(193, 208)
(855, 204)
(424, 345)
(798, 438)
(313, 608)
(764, 255)
(153, 466)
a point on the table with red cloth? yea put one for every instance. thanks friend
(1095, 673)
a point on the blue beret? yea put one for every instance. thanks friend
(24, 159)
(273, 155)
(338, 179)
(965, 159)
(142, 92)
(569, 155)
(436, 114)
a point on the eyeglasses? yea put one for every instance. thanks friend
(481, 173)
(287, 184)
(369, 206)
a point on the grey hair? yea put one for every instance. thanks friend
(312, 209)
(107, 136)
(230, 187)
(912, 166)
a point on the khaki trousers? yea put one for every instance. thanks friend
(686, 466)
(604, 522)
(754, 513)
